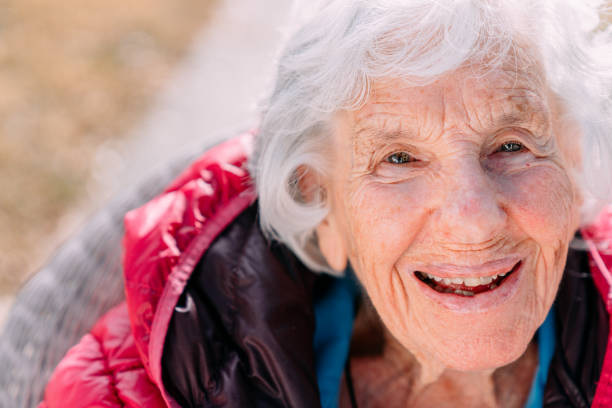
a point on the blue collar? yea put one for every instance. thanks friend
(334, 309)
(546, 348)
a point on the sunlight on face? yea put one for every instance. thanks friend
(455, 204)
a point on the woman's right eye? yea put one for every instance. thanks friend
(511, 147)
(399, 158)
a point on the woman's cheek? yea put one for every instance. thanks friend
(542, 202)
(385, 219)
(540, 199)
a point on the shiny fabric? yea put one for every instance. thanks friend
(163, 242)
(242, 333)
(103, 370)
(251, 331)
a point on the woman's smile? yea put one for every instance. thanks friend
(465, 285)
(471, 289)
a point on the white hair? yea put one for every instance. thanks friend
(338, 47)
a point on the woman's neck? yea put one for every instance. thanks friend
(390, 376)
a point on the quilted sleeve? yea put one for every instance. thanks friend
(103, 370)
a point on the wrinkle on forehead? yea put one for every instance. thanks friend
(457, 102)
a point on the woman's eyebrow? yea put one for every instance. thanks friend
(390, 129)
(382, 135)
(535, 118)
(513, 119)
(368, 138)
(526, 108)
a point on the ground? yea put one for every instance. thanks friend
(74, 75)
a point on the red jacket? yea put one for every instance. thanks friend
(119, 362)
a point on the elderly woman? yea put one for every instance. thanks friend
(436, 160)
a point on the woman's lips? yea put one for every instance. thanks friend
(465, 286)
(490, 268)
(456, 288)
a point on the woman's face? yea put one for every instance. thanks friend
(455, 205)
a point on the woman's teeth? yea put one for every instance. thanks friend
(467, 286)
(469, 281)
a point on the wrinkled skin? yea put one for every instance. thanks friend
(459, 199)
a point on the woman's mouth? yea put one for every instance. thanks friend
(465, 286)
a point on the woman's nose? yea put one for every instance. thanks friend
(471, 212)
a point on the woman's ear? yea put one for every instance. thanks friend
(331, 243)
(329, 235)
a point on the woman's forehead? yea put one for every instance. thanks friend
(499, 98)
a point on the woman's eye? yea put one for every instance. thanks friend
(510, 147)
(400, 158)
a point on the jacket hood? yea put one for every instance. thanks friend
(165, 238)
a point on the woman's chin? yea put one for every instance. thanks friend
(489, 356)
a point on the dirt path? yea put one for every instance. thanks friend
(216, 89)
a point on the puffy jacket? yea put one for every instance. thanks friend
(217, 316)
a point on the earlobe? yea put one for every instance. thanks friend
(331, 244)
(329, 237)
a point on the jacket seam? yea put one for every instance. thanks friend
(110, 372)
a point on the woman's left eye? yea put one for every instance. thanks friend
(399, 158)
(510, 147)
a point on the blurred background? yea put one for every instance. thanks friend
(95, 94)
